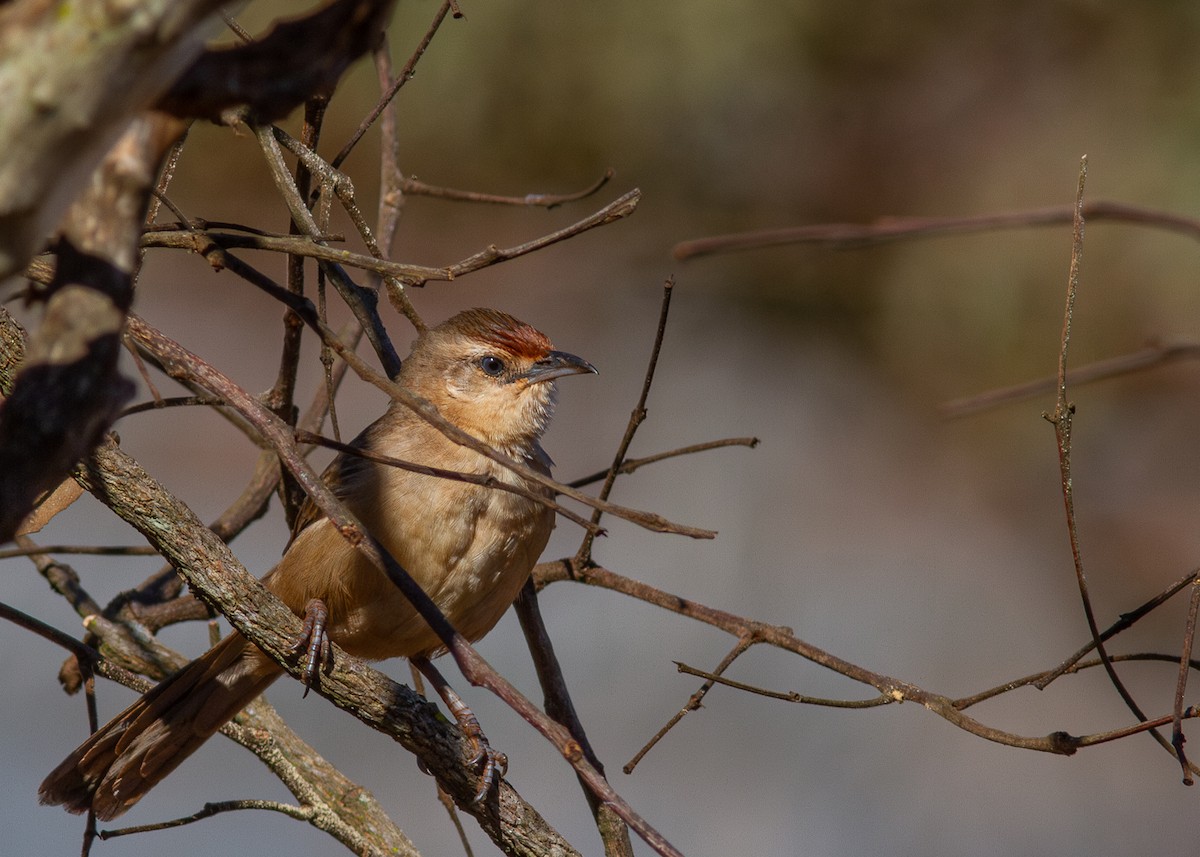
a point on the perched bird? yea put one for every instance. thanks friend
(469, 547)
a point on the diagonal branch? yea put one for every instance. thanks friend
(558, 704)
(636, 418)
(393, 709)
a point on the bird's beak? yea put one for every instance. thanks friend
(555, 365)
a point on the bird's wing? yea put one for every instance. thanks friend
(342, 474)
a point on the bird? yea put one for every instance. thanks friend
(470, 548)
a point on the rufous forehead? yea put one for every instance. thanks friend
(502, 331)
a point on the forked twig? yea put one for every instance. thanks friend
(750, 632)
(762, 633)
(694, 701)
(715, 677)
(199, 241)
(1062, 419)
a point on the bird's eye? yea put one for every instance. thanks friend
(491, 365)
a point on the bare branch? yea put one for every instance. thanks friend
(558, 704)
(1063, 420)
(854, 235)
(200, 241)
(584, 554)
(69, 391)
(693, 704)
(278, 72)
(404, 77)
(62, 118)
(1150, 357)
(540, 200)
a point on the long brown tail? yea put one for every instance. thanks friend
(118, 764)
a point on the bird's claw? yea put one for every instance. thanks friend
(492, 763)
(313, 642)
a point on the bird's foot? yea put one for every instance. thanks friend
(313, 643)
(492, 763)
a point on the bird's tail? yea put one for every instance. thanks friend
(124, 759)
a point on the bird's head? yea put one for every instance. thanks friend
(491, 375)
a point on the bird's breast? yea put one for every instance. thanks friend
(468, 546)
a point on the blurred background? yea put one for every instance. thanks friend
(931, 550)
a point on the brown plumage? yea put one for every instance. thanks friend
(470, 548)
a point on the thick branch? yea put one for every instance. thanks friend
(71, 84)
(68, 391)
(277, 73)
(393, 709)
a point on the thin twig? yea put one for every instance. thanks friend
(694, 701)
(631, 465)
(1076, 667)
(300, 813)
(403, 78)
(281, 395)
(237, 29)
(92, 550)
(1150, 357)
(159, 403)
(1189, 637)
(636, 418)
(453, 475)
(205, 225)
(1062, 419)
(558, 704)
(785, 696)
(87, 656)
(539, 200)
(619, 208)
(391, 187)
(1079, 741)
(412, 275)
(851, 235)
(1123, 623)
(362, 302)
